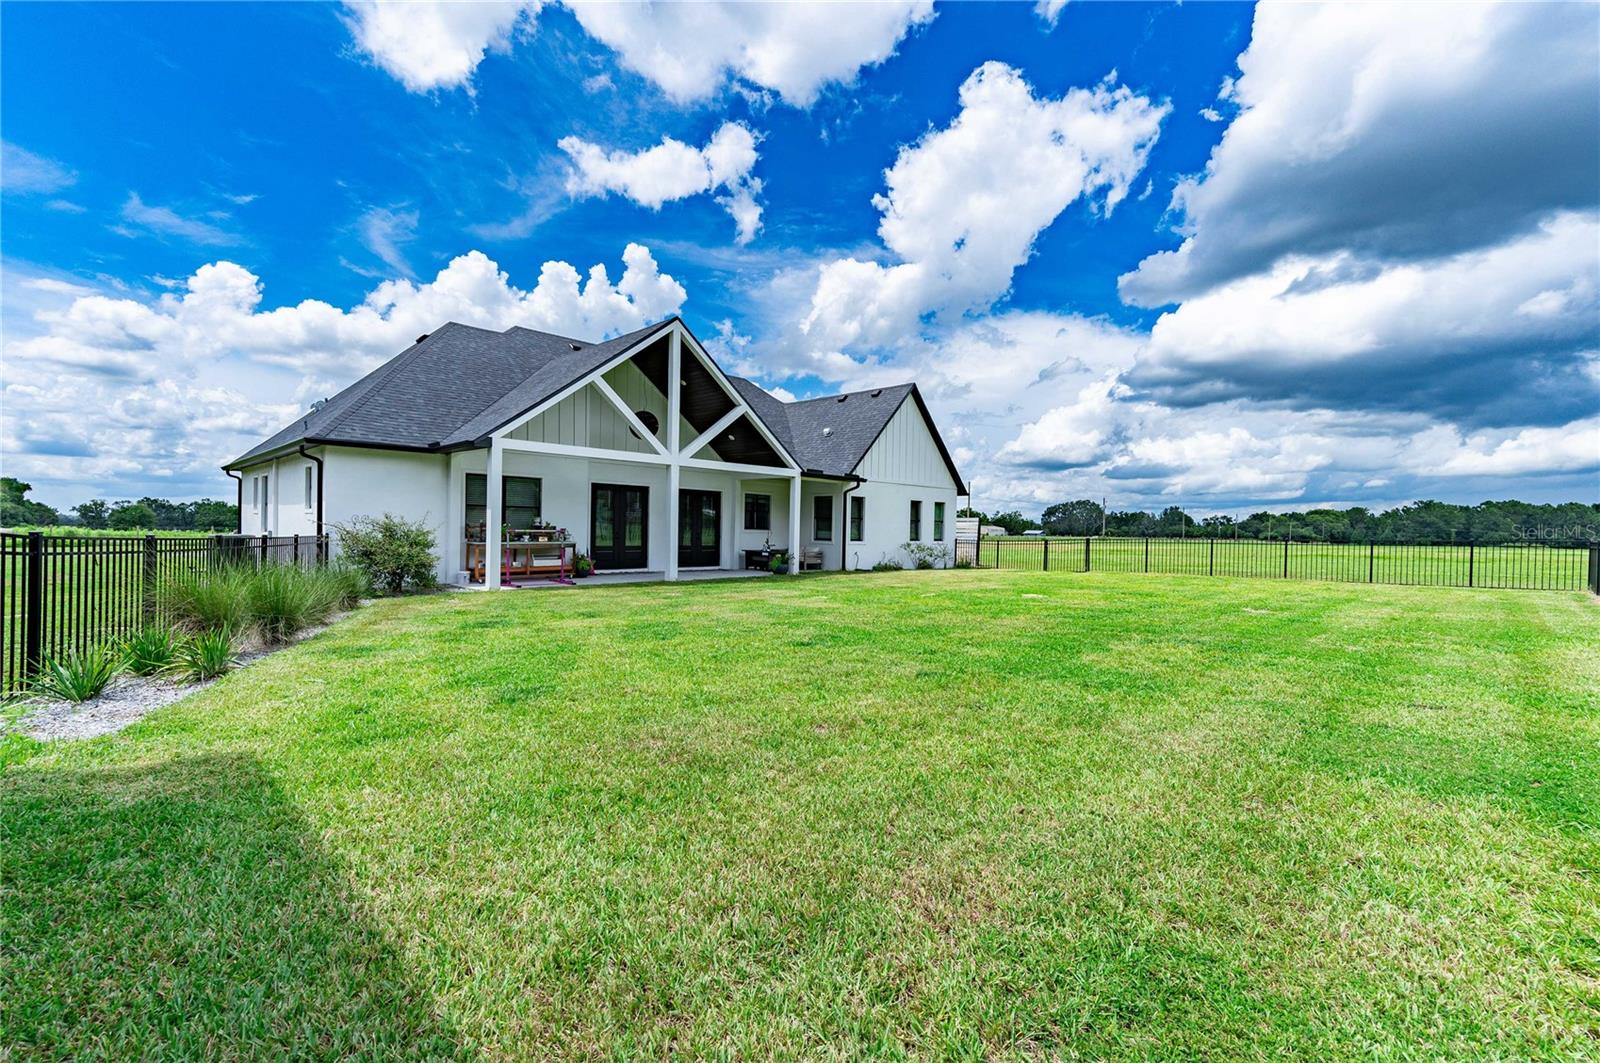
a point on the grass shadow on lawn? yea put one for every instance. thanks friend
(184, 908)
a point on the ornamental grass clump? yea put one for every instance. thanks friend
(150, 650)
(78, 675)
(207, 655)
(210, 599)
(286, 599)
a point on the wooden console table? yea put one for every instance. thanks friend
(549, 558)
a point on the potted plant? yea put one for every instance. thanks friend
(780, 563)
(582, 565)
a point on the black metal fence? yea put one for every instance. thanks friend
(63, 592)
(1530, 566)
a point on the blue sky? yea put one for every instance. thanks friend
(1163, 254)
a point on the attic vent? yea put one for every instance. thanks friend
(875, 394)
(422, 337)
(841, 398)
(576, 346)
(319, 404)
(827, 432)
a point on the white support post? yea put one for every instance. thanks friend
(674, 406)
(494, 515)
(794, 523)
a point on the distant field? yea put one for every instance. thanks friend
(103, 533)
(1528, 567)
(936, 815)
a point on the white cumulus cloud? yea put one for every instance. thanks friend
(689, 50)
(427, 45)
(673, 170)
(964, 204)
(184, 381)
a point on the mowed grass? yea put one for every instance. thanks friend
(928, 814)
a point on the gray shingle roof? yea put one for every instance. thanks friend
(459, 383)
(455, 385)
(832, 434)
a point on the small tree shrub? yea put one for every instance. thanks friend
(205, 656)
(150, 650)
(397, 555)
(78, 675)
(925, 555)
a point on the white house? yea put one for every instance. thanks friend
(641, 447)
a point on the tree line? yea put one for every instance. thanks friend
(152, 514)
(1416, 522)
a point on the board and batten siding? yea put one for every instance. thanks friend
(587, 419)
(906, 453)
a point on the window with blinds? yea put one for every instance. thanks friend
(521, 498)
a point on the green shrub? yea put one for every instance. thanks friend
(925, 555)
(396, 555)
(779, 563)
(205, 656)
(286, 599)
(78, 675)
(888, 566)
(209, 600)
(964, 562)
(150, 650)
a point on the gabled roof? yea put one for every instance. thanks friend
(832, 434)
(450, 388)
(458, 384)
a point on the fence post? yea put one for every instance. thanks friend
(1047, 553)
(1086, 542)
(1147, 553)
(1471, 549)
(1594, 569)
(1211, 564)
(263, 549)
(1286, 557)
(294, 547)
(1372, 555)
(34, 624)
(149, 573)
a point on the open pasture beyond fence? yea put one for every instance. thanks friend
(60, 593)
(1518, 566)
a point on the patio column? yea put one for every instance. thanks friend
(794, 523)
(494, 515)
(674, 405)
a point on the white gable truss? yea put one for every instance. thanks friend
(600, 393)
(601, 388)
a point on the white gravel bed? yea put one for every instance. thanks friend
(125, 700)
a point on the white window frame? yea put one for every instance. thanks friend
(309, 473)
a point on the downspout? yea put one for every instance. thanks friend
(315, 460)
(844, 545)
(238, 509)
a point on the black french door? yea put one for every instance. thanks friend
(699, 528)
(619, 518)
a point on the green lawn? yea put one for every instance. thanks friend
(932, 814)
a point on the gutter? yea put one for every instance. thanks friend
(317, 461)
(844, 502)
(238, 509)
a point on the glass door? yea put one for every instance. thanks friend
(699, 528)
(618, 526)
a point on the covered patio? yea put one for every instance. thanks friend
(653, 466)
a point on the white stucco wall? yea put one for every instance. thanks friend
(370, 483)
(286, 511)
